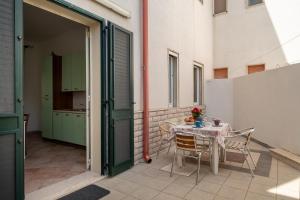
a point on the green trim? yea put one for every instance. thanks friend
(19, 98)
(78, 10)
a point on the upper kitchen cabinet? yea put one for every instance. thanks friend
(73, 72)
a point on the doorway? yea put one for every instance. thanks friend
(55, 98)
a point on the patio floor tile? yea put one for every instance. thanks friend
(147, 181)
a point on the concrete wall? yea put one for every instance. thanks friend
(263, 34)
(267, 101)
(185, 27)
(219, 102)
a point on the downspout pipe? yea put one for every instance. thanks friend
(146, 155)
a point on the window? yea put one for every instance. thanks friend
(173, 79)
(254, 2)
(220, 6)
(221, 73)
(198, 84)
(256, 68)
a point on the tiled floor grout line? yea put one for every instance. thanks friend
(222, 186)
(248, 188)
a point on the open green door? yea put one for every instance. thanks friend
(120, 87)
(11, 112)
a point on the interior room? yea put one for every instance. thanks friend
(54, 98)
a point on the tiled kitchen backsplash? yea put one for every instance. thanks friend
(79, 100)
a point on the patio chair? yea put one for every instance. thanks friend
(240, 145)
(187, 142)
(165, 135)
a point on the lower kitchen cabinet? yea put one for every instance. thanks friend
(69, 127)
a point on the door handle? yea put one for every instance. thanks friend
(19, 100)
(19, 141)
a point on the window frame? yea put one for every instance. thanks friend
(221, 68)
(255, 65)
(250, 6)
(171, 97)
(200, 89)
(221, 13)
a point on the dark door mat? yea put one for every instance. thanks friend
(90, 192)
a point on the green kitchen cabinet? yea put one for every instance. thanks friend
(47, 98)
(78, 135)
(58, 134)
(67, 73)
(73, 72)
(67, 126)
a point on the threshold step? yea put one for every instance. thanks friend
(286, 157)
(64, 187)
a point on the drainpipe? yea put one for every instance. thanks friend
(145, 85)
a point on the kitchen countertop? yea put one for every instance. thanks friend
(71, 110)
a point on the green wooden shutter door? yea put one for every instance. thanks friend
(121, 98)
(11, 103)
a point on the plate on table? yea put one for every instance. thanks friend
(189, 123)
(220, 125)
(197, 127)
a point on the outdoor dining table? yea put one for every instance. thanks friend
(217, 135)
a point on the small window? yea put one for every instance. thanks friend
(220, 6)
(254, 2)
(221, 73)
(198, 84)
(256, 68)
(173, 79)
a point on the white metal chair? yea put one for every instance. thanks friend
(165, 135)
(187, 142)
(240, 145)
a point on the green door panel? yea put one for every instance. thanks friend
(120, 86)
(67, 126)
(76, 72)
(67, 73)
(78, 133)
(47, 98)
(57, 126)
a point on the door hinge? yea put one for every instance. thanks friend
(88, 98)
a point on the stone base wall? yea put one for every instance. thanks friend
(154, 137)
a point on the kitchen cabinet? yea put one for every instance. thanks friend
(47, 98)
(73, 72)
(69, 127)
(66, 73)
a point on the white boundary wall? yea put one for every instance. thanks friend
(268, 101)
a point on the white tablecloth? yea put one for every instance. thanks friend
(210, 131)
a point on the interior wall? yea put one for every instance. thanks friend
(32, 84)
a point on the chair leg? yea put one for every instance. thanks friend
(248, 151)
(157, 154)
(169, 147)
(198, 168)
(171, 173)
(251, 171)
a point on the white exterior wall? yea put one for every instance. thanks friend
(267, 101)
(254, 35)
(185, 27)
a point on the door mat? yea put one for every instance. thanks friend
(90, 192)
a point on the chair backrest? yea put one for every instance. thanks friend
(186, 141)
(164, 127)
(243, 132)
(26, 119)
